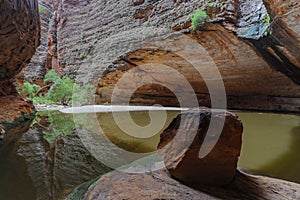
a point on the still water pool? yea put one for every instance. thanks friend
(271, 146)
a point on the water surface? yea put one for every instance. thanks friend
(271, 146)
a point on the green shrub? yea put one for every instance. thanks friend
(265, 26)
(29, 89)
(52, 76)
(41, 99)
(63, 90)
(106, 103)
(266, 19)
(198, 19)
(82, 94)
(42, 10)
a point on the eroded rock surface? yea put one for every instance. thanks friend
(56, 169)
(281, 48)
(185, 138)
(20, 34)
(19, 37)
(92, 40)
(251, 81)
(45, 57)
(159, 185)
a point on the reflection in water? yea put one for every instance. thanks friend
(271, 145)
(54, 123)
(127, 141)
(15, 183)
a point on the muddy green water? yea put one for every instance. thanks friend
(271, 146)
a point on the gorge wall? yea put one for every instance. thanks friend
(19, 37)
(100, 41)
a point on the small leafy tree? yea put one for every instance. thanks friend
(29, 89)
(63, 90)
(52, 76)
(198, 19)
(42, 10)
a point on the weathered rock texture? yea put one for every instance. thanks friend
(159, 185)
(19, 37)
(56, 169)
(218, 167)
(92, 40)
(281, 48)
(250, 79)
(45, 57)
(108, 50)
(20, 34)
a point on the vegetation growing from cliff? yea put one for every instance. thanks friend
(266, 25)
(198, 19)
(29, 89)
(60, 92)
(42, 10)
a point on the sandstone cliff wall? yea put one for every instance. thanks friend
(99, 41)
(19, 37)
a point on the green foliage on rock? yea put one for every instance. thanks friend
(198, 19)
(266, 19)
(106, 103)
(42, 10)
(52, 76)
(62, 91)
(30, 89)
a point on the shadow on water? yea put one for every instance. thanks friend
(15, 182)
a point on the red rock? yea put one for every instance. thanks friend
(182, 160)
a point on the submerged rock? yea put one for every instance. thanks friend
(182, 158)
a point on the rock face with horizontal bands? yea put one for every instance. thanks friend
(90, 42)
(182, 158)
(45, 55)
(20, 34)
